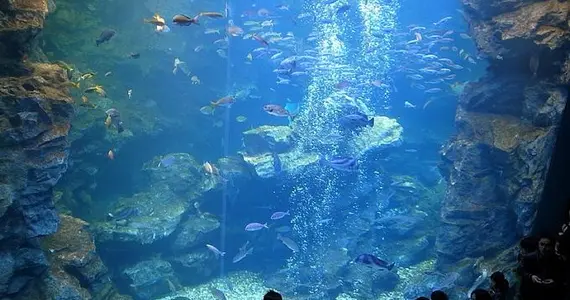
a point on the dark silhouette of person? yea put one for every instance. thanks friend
(439, 295)
(480, 294)
(541, 272)
(272, 295)
(499, 286)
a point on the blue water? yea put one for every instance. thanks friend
(365, 56)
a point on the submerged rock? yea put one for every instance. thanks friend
(159, 213)
(263, 144)
(75, 268)
(151, 278)
(193, 230)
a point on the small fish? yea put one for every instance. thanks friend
(198, 49)
(242, 253)
(156, 20)
(130, 93)
(183, 20)
(347, 164)
(371, 260)
(108, 74)
(134, 55)
(96, 89)
(87, 75)
(279, 215)
(211, 31)
(84, 99)
(260, 39)
(111, 155)
(277, 164)
(213, 15)
(73, 84)
(241, 119)
(442, 21)
(105, 36)
(289, 243)
(226, 101)
(182, 66)
(355, 121)
(255, 226)
(115, 118)
(219, 295)
(215, 250)
(210, 169)
(276, 110)
(409, 105)
(344, 8)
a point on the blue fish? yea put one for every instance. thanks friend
(371, 260)
(277, 165)
(355, 121)
(344, 8)
(347, 164)
(167, 161)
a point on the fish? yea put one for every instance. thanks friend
(211, 31)
(442, 21)
(105, 36)
(115, 118)
(87, 75)
(341, 163)
(255, 226)
(167, 161)
(289, 243)
(409, 105)
(260, 39)
(134, 55)
(108, 74)
(242, 253)
(213, 15)
(111, 154)
(234, 30)
(156, 20)
(124, 213)
(130, 93)
(96, 89)
(276, 110)
(226, 101)
(241, 119)
(371, 260)
(182, 66)
(342, 9)
(277, 164)
(215, 250)
(279, 215)
(218, 294)
(356, 121)
(183, 20)
(209, 168)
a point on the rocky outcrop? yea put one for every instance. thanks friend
(264, 144)
(76, 271)
(507, 123)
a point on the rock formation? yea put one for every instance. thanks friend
(507, 123)
(35, 115)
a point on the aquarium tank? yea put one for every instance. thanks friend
(322, 149)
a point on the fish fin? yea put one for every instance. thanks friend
(371, 122)
(391, 266)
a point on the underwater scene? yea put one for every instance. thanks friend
(324, 149)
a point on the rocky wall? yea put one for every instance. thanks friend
(507, 122)
(35, 115)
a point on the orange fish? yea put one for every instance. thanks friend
(111, 155)
(225, 101)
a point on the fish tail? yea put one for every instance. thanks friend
(391, 266)
(371, 122)
(222, 253)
